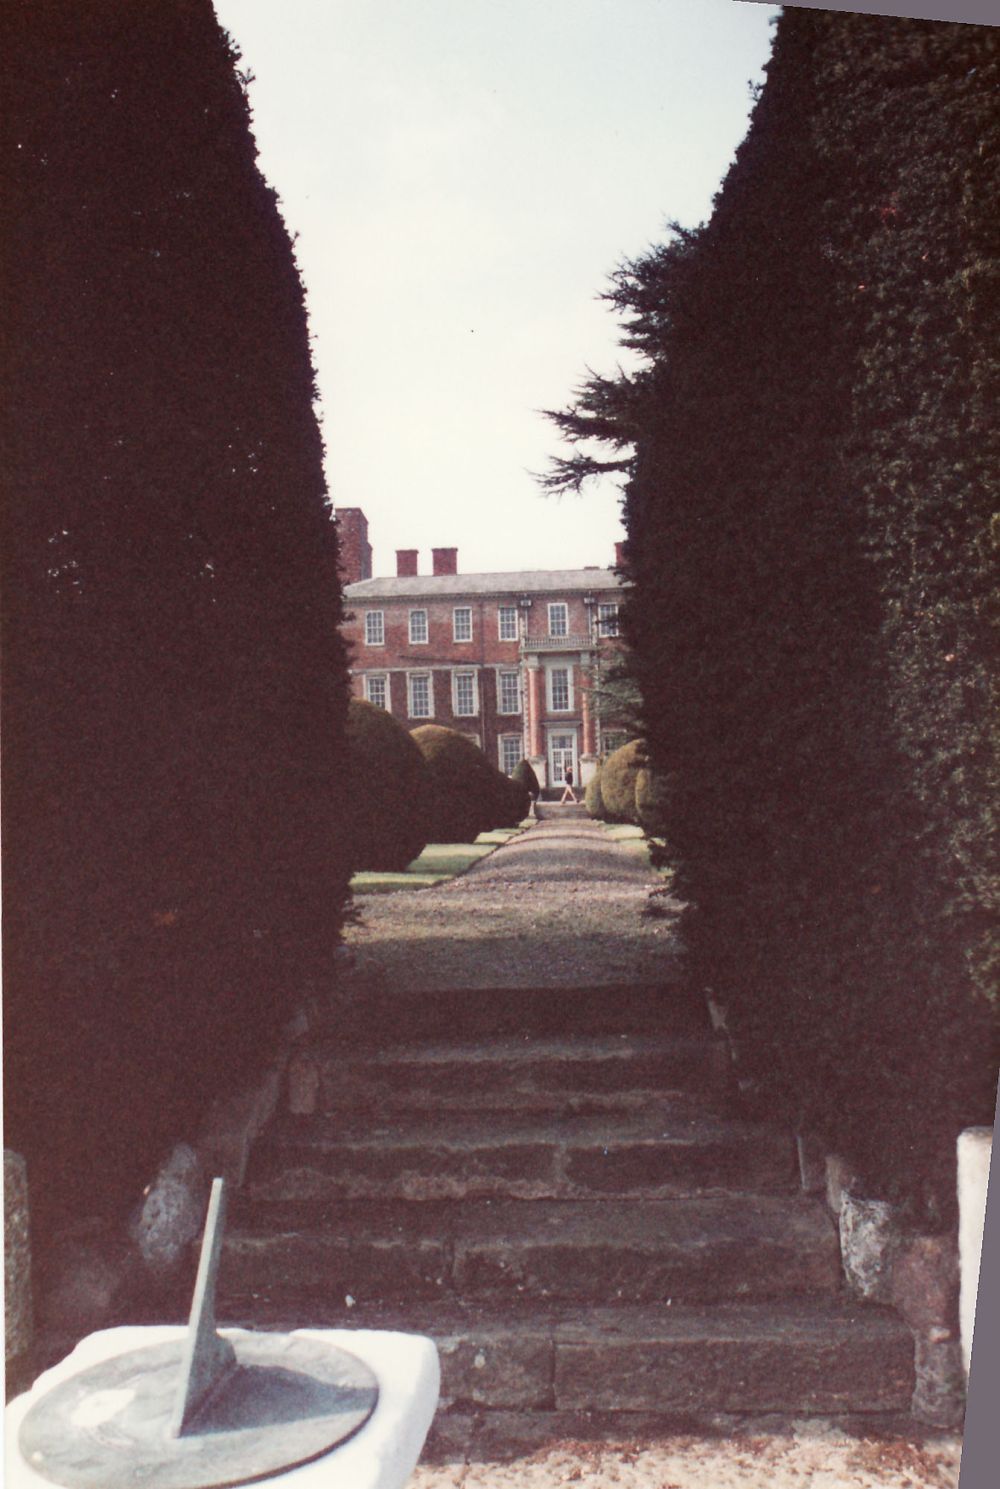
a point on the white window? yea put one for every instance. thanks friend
(511, 752)
(374, 628)
(612, 740)
(464, 692)
(418, 627)
(509, 687)
(421, 696)
(607, 620)
(462, 623)
(507, 622)
(560, 690)
(558, 620)
(377, 689)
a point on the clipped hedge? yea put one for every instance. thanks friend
(593, 797)
(175, 683)
(618, 780)
(811, 544)
(652, 800)
(386, 801)
(466, 795)
(525, 776)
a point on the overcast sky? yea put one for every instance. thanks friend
(462, 176)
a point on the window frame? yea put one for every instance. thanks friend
(383, 678)
(458, 610)
(370, 617)
(411, 678)
(508, 610)
(614, 619)
(462, 673)
(559, 605)
(425, 638)
(519, 751)
(551, 674)
(515, 673)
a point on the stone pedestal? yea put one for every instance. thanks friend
(18, 1319)
(588, 768)
(975, 1146)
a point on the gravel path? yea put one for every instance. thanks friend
(564, 904)
(805, 1456)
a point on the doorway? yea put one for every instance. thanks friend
(562, 754)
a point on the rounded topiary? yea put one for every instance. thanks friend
(592, 796)
(652, 799)
(513, 800)
(618, 777)
(525, 776)
(386, 800)
(466, 795)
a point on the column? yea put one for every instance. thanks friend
(536, 709)
(588, 752)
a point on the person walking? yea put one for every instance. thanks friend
(568, 794)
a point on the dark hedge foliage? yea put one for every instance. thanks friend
(653, 793)
(525, 776)
(385, 814)
(467, 795)
(812, 619)
(175, 685)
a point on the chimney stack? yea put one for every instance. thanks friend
(445, 560)
(355, 549)
(619, 555)
(406, 563)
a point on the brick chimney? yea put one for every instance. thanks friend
(406, 562)
(355, 549)
(619, 555)
(445, 560)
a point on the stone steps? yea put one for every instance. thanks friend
(685, 1250)
(791, 1356)
(526, 1073)
(555, 1185)
(467, 1016)
(493, 1155)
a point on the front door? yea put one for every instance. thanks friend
(562, 755)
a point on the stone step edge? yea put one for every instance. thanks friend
(761, 1358)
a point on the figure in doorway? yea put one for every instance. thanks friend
(568, 794)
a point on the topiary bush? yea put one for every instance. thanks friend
(386, 800)
(466, 795)
(618, 778)
(593, 798)
(525, 776)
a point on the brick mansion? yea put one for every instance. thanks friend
(511, 660)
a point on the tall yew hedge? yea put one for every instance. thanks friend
(175, 685)
(809, 540)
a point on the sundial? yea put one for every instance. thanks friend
(202, 1412)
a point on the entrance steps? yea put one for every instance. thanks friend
(555, 1184)
(559, 811)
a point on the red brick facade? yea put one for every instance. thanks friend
(508, 659)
